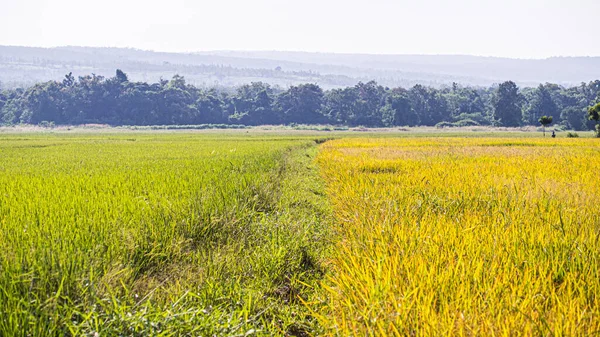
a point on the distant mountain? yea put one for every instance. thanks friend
(27, 65)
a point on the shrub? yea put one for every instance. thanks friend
(466, 122)
(478, 117)
(460, 123)
(46, 124)
(444, 125)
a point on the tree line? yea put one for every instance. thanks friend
(118, 101)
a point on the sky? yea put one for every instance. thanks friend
(502, 28)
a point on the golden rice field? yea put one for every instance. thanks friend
(463, 236)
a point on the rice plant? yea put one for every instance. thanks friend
(463, 236)
(158, 234)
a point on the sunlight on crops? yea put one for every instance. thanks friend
(464, 236)
(158, 234)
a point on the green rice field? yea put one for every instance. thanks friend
(158, 234)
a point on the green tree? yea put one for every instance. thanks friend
(69, 80)
(302, 104)
(545, 121)
(13, 107)
(594, 115)
(465, 102)
(121, 76)
(429, 104)
(574, 118)
(253, 105)
(3, 99)
(506, 104)
(367, 107)
(543, 100)
(209, 109)
(398, 111)
(338, 105)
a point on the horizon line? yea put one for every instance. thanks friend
(196, 52)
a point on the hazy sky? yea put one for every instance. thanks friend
(513, 28)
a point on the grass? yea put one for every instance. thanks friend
(457, 236)
(158, 234)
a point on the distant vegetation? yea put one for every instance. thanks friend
(594, 115)
(117, 100)
(27, 65)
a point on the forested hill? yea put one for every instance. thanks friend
(24, 66)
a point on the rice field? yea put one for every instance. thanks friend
(463, 236)
(263, 234)
(158, 234)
